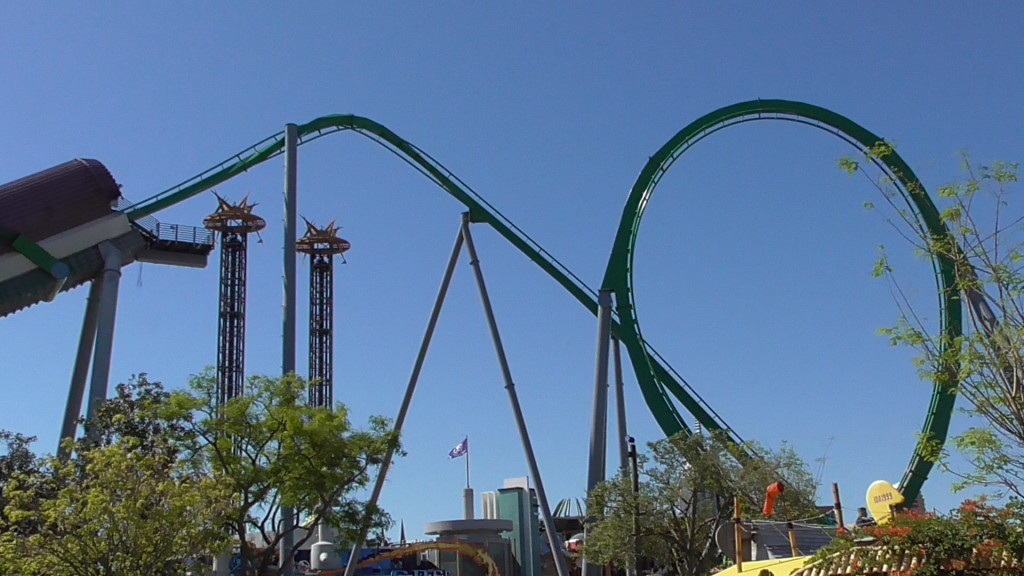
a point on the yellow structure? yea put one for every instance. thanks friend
(882, 496)
(776, 567)
(474, 553)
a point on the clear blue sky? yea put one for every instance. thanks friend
(753, 266)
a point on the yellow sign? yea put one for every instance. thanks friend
(882, 496)
(777, 567)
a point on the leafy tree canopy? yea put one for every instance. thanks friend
(167, 478)
(985, 367)
(271, 449)
(17, 460)
(686, 491)
(120, 503)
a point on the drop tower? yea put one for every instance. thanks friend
(322, 245)
(234, 223)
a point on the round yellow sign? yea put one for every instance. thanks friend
(882, 496)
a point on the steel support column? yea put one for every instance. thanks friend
(357, 547)
(291, 147)
(86, 342)
(506, 374)
(106, 317)
(620, 405)
(599, 422)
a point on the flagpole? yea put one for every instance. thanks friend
(467, 493)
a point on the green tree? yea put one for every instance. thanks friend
(118, 511)
(121, 503)
(16, 460)
(138, 410)
(271, 449)
(687, 490)
(986, 246)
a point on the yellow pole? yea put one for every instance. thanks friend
(792, 532)
(739, 535)
(792, 540)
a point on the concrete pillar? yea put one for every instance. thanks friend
(467, 503)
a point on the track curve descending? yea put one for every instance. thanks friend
(480, 212)
(618, 277)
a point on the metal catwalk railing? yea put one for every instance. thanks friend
(157, 231)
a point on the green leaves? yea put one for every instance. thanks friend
(973, 540)
(686, 492)
(849, 165)
(173, 477)
(982, 247)
(274, 450)
(881, 267)
(123, 505)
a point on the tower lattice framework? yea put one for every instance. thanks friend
(321, 244)
(234, 223)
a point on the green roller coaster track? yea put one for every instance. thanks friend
(619, 273)
(658, 381)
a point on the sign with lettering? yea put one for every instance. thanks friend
(882, 496)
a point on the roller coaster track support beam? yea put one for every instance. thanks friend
(599, 424)
(620, 405)
(291, 157)
(510, 387)
(626, 454)
(107, 315)
(86, 342)
(410, 389)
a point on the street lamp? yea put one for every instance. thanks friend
(631, 443)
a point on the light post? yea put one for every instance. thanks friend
(636, 503)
